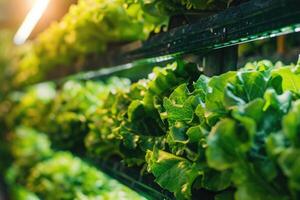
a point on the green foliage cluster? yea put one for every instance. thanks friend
(91, 26)
(235, 134)
(71, 109)
(63, 113)
(87, 29)
(129, 122)
(8, 59)
(38, 172)
(13, 75)
(236, 130)
(173, 7)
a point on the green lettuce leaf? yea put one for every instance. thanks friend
(173, 173)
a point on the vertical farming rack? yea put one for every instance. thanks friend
(209, 41)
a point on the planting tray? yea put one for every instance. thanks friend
(248, 21)
(252, 20)
(144, 183)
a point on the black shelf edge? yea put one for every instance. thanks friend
(249, 21)
(143, 184)
(253, 20)
(134, 71)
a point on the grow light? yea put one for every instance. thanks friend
(30, 21)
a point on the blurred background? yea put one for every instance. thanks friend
(13, 13)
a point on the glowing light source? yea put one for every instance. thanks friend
(30, 21)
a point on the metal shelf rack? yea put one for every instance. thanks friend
(209, 41)
(253, 20)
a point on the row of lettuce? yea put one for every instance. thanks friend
(236, 134)
(38, 172)
(90, 27)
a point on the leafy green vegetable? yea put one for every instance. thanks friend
(73, 106)
(17, 192)
(172, 7)
(28, 147)
(235, 134)
(102, 138)
(56, 175)
(85, 31)
(31, 107)
(65, 177)
(173, 173)
(290, 78)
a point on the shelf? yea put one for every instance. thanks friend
(134, 71)
(144, 183)
(250, 21)
(131, 177)
(253, 20)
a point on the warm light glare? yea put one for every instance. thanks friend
(30, 21)
(29, 3)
